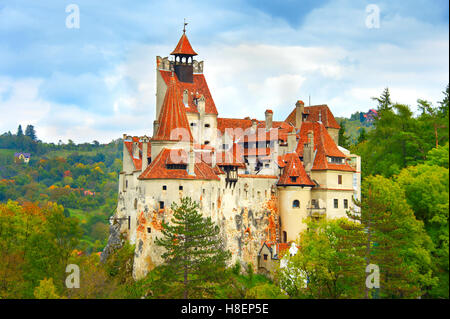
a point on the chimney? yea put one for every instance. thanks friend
(292, 141)
(185, 97)
(201, 105)
(254, 125)
(135, 149)
(299, 108)
(145, 141)
(269, 118)
(308, 152)
(213, 158)
(155, 127)
(191, 161)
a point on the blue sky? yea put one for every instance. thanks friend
(98, 82)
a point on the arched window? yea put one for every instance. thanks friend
(296, 204)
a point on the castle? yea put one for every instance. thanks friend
(257, 179)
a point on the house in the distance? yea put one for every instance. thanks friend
(22, 157)
(368, 117)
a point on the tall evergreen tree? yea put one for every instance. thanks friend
(30, 132)
(396, 241)
(384, 101)
(194, 255)
(343, 139)
(19, 131)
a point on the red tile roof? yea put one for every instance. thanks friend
(295, 169)
(313, 112)
(324, 146)
(137, 162)
(172, 115)
(197, 87)
(158, 169)
(184, 47)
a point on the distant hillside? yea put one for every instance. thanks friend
(353, 126)
(81, 177)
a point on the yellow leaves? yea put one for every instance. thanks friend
(98, 169)
(46, 290)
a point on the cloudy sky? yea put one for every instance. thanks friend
(97, 81)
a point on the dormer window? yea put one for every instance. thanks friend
(176, 166)
(293, 179)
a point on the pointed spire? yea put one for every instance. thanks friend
(183, 47)
(172, 114)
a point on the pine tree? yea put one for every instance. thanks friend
(30, 132)
(19, 131)
(396, 241)
(362, 135)
(384, 101)
(343, 139)
(194, 257)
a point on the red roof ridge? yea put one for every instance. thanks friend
(172, 115)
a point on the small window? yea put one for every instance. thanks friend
(126, 184)
(314, 203)
(164, 187)
(340, 179)
(296, 204)
(336, 203)
(345, 203)
(224, 146)
(193, 124)
(161, 205)
(206, 142)
(135, 203)
(180, 188)
(149, 230)
(266, 165)
(265, 256)
(206, 125)
(293, 179)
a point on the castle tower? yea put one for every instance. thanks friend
(294, 195)
(184, 59)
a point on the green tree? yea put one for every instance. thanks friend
(330, 261)
(30, 132)
(46, 290)
(427, 190)
(343, 139)
(396, 240)
(384, 101)
(362, 135)
(194, 255)
(19, 131)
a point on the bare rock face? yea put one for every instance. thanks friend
(115, 241)
(243, 231)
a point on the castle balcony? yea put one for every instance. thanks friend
(317, 212)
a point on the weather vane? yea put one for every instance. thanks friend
(185, 24)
